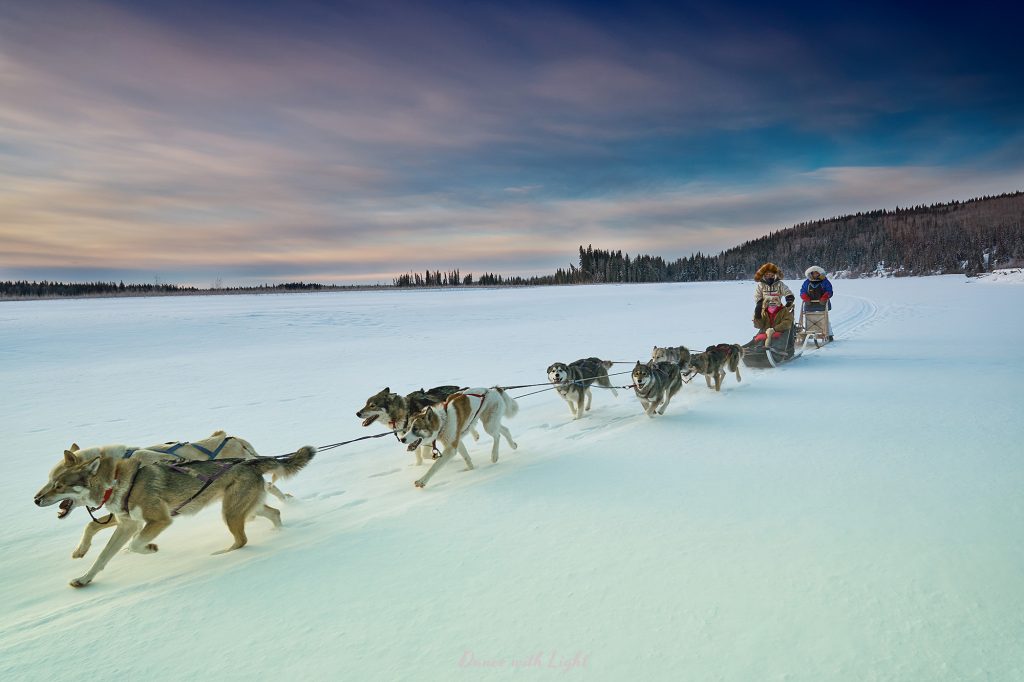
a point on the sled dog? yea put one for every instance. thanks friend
(396, 410)
(144, 497)
(714, 361)
(573, 381)
(655, 383)
(449, 422)
(217, 446)
(680, 355)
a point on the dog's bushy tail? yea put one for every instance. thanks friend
(283, 467)
(602, 374)
(511, 406)
(734, 357)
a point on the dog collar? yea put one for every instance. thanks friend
(106, 496)
(108, 493)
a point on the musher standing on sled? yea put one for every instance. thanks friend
(770, 315)
(817, 290)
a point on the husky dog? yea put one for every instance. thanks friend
(712, 363)
(655, 383)
(677, 354)
(450, 421)
(143, 497)
(397, 409)
(217, 446)
(573, 381)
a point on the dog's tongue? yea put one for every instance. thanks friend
(65, 508)
(369, 420)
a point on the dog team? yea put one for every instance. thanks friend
(144, 488)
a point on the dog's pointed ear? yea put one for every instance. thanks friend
(74, 447)
(69, 457)
(93, 466)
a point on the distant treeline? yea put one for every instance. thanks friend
(44, 289)
(967, 237)
(437, 278)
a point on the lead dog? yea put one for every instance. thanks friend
(655, 383)
(712, 363)
(396, 409)
(573, 381)
(145, 496)
(449, 422)
(217, 446)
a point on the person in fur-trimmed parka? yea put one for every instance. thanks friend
(773, 303)
(769, 289)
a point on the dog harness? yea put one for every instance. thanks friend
(207, 481)
(210, 454)
(433, 445)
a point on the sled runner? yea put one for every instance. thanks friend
(814, 324)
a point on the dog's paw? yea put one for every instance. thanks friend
(80, 582)
(494, 459)
(79, 552)
(513, 445)
(419, 484)
(148, 548)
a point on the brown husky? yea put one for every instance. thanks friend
(713, 362)
(218, 446)
(144, 497)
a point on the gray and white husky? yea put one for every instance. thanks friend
(677, 354)
(396, 410)
(573, 381)
(144, 497)
(655, 383)
(449, 422)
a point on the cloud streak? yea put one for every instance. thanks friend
(342, 143)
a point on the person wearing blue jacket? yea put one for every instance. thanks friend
(816, 287)
(816, 292)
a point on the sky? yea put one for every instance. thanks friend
(249, 142)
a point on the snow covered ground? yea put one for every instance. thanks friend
(855, 515)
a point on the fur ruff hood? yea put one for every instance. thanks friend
(765, 269)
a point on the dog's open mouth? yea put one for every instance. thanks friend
(65, 508)
(369, 420)
(414, 445)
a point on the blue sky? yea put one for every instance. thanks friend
(350, 142)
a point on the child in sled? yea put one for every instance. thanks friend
(774, 319)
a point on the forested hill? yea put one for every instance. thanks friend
(958, 237)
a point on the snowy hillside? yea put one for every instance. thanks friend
(854, 515)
